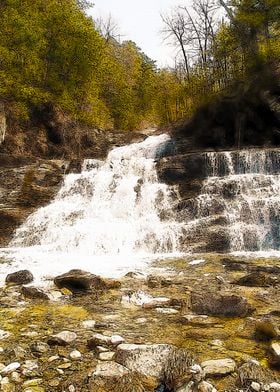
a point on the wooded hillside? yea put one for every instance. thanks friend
(52, 54)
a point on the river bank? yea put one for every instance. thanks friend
(231, 337)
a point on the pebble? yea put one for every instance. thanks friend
(107, 356)
(275, 352)
(53, 358)
(66, 336)
(4, 334)
(15, 376)
(98, 340)
(39, 347)
(275, 386)
(141, 320)
(66, 365)
(111, 317)
(30, 368)
(55, 295)
(30, 334)
(166, 310)
(255, 386)
(6, 386)
(75, 354)
(88, 324)
(10, 368)
(71, 388)
(55, 382)
(117, 339)
(32, 383)
(197, 372)
(216, 343)
(101, 349)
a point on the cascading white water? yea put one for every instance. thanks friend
(104, 219)
(244, 188)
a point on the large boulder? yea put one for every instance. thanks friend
(180, 369)
(253, 372)
(274, 352)
(147, 359)
(214, 304)
(34, 293)
(110, 376)
(266, 329)
(166, 364)
(78, 281)
(20, 277)
(256, 279)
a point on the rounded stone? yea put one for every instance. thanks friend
(117, 339)
(10, 368)
(20, 277)
(75, 354)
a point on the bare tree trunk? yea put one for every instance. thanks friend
(3, 124)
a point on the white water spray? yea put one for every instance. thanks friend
(107, 219)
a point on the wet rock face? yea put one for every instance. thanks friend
(26, 184)
(220, 305)
(187, 172)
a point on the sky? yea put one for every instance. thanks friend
(140, 21)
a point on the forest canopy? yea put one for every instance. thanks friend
(51, 51)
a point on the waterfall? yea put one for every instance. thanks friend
(243, 187)
(104, 218)
(116, 216)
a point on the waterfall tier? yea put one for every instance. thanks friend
(113, 211)
(239, 200)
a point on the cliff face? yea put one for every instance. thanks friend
(25, 185)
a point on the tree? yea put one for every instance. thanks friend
(50, 52)
(177, 29)
(254, 24)
(108, 28)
